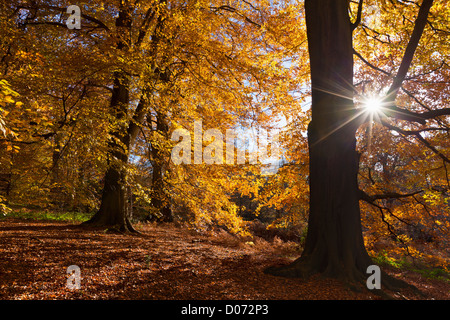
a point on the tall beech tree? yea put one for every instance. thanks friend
(113, 208)
(334, 244)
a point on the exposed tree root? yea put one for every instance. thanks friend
(352, 277)
(124, 228)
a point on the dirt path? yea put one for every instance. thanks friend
(165, 262)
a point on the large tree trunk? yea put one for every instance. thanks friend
(114, 209)
(334, 244)
(113, 212)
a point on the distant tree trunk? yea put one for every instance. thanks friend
(334, 244)
(57, 192)
(5, 185)
(160, 200)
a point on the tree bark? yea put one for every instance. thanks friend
(113, 212)
(57, 192)
(160, 200)
(116, 193)
(334, 244)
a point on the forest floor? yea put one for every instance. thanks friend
(163, 262)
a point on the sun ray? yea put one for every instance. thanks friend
(354, 117)
(351, 107)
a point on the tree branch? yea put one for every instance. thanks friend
(369, 64)
(85, 16)
(391, 110)
(99, 23)
(138, 118)
(419, 26)
(358, 15)
(416, 133)
(234, 10)
(389, 195)
(144, 27)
